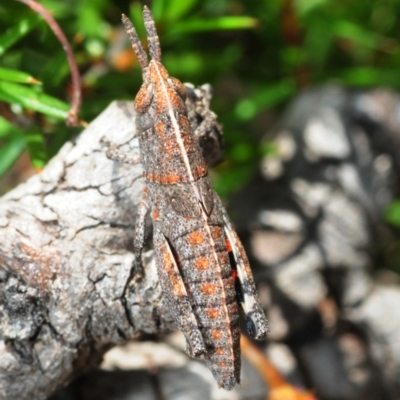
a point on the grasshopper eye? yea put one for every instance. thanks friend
(144, 98)
(178, 86)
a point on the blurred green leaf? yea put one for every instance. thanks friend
(176, 9)
(252, 70)
(36, 148)
(264, 98)
(357, 34)
(157, 9)
(182, 65)
(370, 76)
(135, 13)
(55, 69)
(10, 151)
(304, 7)
(14, 75)
(6, 128)
(231, 177)
(18, 31)
(392, 213)
(222, 23)
(31, 99)
(318, 43)
(269, 149)
(241, 152)
(89, 19)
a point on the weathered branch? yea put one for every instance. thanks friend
(65, 258)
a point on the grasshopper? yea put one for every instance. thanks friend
(202, 266)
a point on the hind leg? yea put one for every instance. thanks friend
(175, 291)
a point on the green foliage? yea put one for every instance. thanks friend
(256, 54)
(392, 213)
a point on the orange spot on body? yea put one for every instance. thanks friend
(167, 258)
(222, 364)
(213, 313)
(224, 258)
(155, 215)
(202, 263)
(208, 289)
(229, 283)
(169, 146)
(171, 178)
(216, 232)
(164, 179)
(201, 170)
(188, 143)
(232, 309)
(196, 238)
(219, 351)
(177, 286)
(216, 334)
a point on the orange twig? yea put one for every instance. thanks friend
(279, 388)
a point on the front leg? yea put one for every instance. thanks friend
(209, 135)
(208, 124)
(115, 154)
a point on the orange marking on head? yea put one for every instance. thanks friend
(160, 129)
(156, 69)
(208, 289)
(196, 238)
(184, 123)
(176, 101)
(165, 96)
(216, 334)
(213, 313)
(202, 263)
(142, 102)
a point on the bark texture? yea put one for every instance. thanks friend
(65, 262)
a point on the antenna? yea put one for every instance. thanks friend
(152, 37)
(136, 45)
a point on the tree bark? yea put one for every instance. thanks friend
(65, 263)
